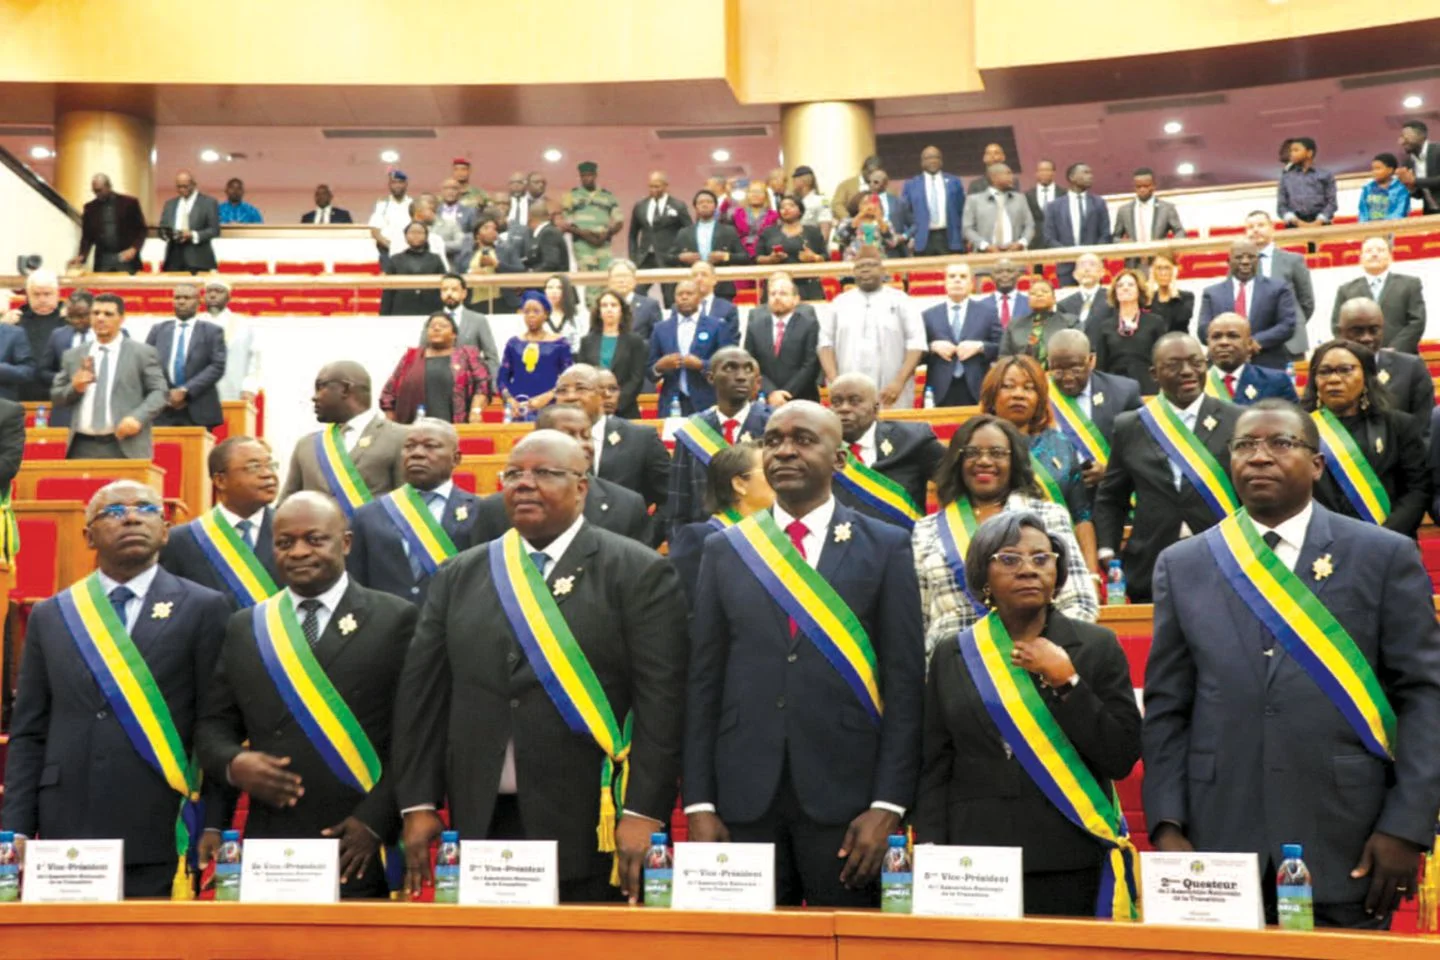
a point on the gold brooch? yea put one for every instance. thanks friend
(1384, 376)
(1211, 423)
(563, 586)
(1097, 399)
(365, 442)
(348, 625)
(1323, 567)
(1250, 391)
(161, 610)
(614, 437)
(887, 448)
(462, 512)
(842, 533)
(1379, 444)
(745, 437)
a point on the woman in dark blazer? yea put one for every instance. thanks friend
(973, 790)
(415, 260)
(1167, 301)
(1125, 340)
(1344, 381)
(611, 346)
(791, 241)
(1031, 333)
(737, 488)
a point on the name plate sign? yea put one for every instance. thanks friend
(290, 871)
(502, 873)
(968, 882)
(74, 871)
(724, 876)
(1202, 890)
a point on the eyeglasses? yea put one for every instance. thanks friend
(992, 453)
(545, 476)
(569, 388)
(1040, 560)
(1338, 370)
(119, 511)
(252, 467)
(1277, 446)
(1177, 366)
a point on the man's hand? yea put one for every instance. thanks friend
(357, 847)
(125, 256)
(1169, 839)
(421, 828)
(689, 257)
(208, 849)
(74, 262)
(1092, 473)
(11, 317)
(632, 842)
(185, 236)
(692, 362)
(176, 398)
(718, 257)
(1393, 866)
(127, 428)
(1405, 175)
(778, 397)
(671, 361)
(809, 256)
(864, 846)
(84, 376)
(890, 393)
(264, 776)
(707, 827)
(943, 349)
(969, 348)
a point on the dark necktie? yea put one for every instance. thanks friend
(540, 559)
(120, 596)
(177, 375)
(310, 626)
(243, 528)
(1271, 538)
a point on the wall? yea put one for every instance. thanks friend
(31, 224)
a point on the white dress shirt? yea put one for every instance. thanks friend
(84, 419)
(597, 437)
(1144, 219)
(329, 600)
(1084, 399)
(322, 214)
(866, 443)
(1044, 194)
(935, 190)
(1076, 215)
(1292, 535)
(139, 585)
(1419, 159)
(182, 211)
(656, 209)
(1189, 415)
(351, 429)
(1088, 296)
(1376, 283)
(740, 416)
(234, 519)
(1267, 260)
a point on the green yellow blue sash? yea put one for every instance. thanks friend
(1045, 480)
(232, 558)
(427, 538)
(1308, 632)
(1030, 730)
(875, 490)
(345, 482)
(564, 672)
(725, 518)
(956, 525)
(1347, 464)
(1087, 439)
(9, 530)
(1215, 386)
(701, 439)
(135, 698)
(818, 611)
(1187, 452)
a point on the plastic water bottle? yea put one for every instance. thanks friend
(420, 411)
(1115, 583)
(507, 418)
(9, 868)
(1294, 896)
(659, 872)
(1290, 371)
(896, 881)
(447, 868)
(42, 417)
(929, 398)
(227, 867)
(675, 410)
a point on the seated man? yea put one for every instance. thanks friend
(1231, 377)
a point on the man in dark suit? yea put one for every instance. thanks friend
(1168, 507)
(342, 396)
(72, 770)
(325, 211)
(12, 441)
(475, 726)
(777, 747)
(1089, 304)
(76, 332)
(681, 348)
(964, 335)
(1218, 780)
(381, 555)
(247, 734)
(906, 453)
(1146, 219)
(1277, 264)
(624, 453)
(645, 311)
(654, 224)
(1269, 305)
(1243, 383)
(1421, 169)
(547, 252)
(113, 225)
(17, 364)
(991, 155)
(708, 240)
(1101, 397)
(733, 374)
(1404, 375)
(40, 316)
(246, 479)
(1040, 197)
(116, 387)
(713, 304)
(1076, 219)
(1401, 298)
(893, 210)
(784, 339)
(1010, 304)
(192, 353)
(189, 222)
(937, 208)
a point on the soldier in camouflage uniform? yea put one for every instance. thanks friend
(470, 195)
(594, 216)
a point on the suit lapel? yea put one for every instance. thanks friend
(149, 625)
(573, 565)
(1249, 635)
(367, 439)
(885, 434)
(349, 615)
(265, 542)
(459, 501)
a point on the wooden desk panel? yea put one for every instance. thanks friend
(195, 446)
(240, 417)
(141, 471)
(487, 468)
(74, 558)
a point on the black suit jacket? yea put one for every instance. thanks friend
(1391, 443)
(378, 556)
(914, 455)
(760, 699)
(337, 215)
(797, 368)
(689, 478)
(1407, 377)
(204, 366)
(645, 313)
(547, 253)
(726, 239)
(129, 226)
(1402, 301)
(1139, 466)
(184, 557)
(632, 353)
(1427, 189)
(650, 246)
(1100, 311)
(974, 791)
(1120, 395)
(608, 506)
(242, 703)
(467, 690)
(204, 226)
(12, 441)
(1037, 211)
(71, 770)
(635, 457)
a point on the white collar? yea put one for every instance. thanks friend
(1237, 373)
(660, 201)
(556, 550)
(444, 488)
(138, 584)
(96, 346)
(962, 302)
(1381, 276)
(740, 417)
(330, 599)
(690, 318)
(257, 518)
(867, 442)
(817, 521)
(1193, 410)
(1292, 531)
(360, 422)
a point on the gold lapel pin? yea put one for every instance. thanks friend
(161, 610)
(348, 625)
(1323, 567)
(842, 532)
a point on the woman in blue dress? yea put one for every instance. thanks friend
(531, 363)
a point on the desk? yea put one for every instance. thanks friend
(141, 471)
(240, 417)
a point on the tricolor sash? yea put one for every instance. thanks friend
(135, 698)
(564, 672)
(345, 482)
(426, 537)
(1045, 480)
(818, 611)
(875, 490)
(313, 701)
(956, 525)
(1215, 385)
(1308, 632)
(1187, 452)
(233, 559)
(1347, 464)
(9, 530)
(726, 518)
(1087, 439)
(701, 439)
(1030, 730)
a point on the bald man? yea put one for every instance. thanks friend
(655, 222)
(188, 223)
(364, 442)
(477, 727)
(1098, 397)
(1269, 305)
(352, 641)
(628, 454)
(904, 453)
(779, 747)
(1232, 377)
(1404, 375)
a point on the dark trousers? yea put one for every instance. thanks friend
(1350, 916)
(87, 447)
(169, 417)
(149, 880)
(958, 395)
(806, 869)
(110, 262)
(506, 824)
(1062, 893)
(651, 261)
(936, 244)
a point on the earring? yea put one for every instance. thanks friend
(986, 598)
(1365, 402)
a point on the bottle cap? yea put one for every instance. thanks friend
(230, 836)
(657, 839)
(7, 836)
(449, 836)
(1292, 851)
(897, 839)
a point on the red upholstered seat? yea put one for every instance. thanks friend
(43, 449)
(37, 574)
(305, 268)
(476, 446)
(245, 267)
(170, 456)
(464, 479)
(68, 488)
(364, 267)
(1137, 651)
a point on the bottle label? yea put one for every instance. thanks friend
(1294, 908)
(896, 892)
(659, 886)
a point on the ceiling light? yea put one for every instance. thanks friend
(389, 156)
(1413, 102)
(38, 152)
(720, 155)
(552, 155)
(210, 156)
(1186, 169)
(1174, 127)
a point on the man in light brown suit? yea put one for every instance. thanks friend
(342, 396)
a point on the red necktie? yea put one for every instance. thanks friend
(796, 531)
(855, 449)
(1230, 384)
(729, 428)
(1004, 310)
(1240, 306)
(779, 334)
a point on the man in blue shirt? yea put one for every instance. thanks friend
(1384, 197)
(1307, 194)
(235, 209)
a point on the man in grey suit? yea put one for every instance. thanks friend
(1277, 264)
(1245, 748)
(116, 386)
(1146, 219)
(375, 445)
(1401, 298)
(473, 327)
(189, 222)
(984, 226)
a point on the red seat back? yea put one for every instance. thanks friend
(36, 573)
(464, 479)
(69, 488)
(170, 456)
(476, 446)
(44, 449)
